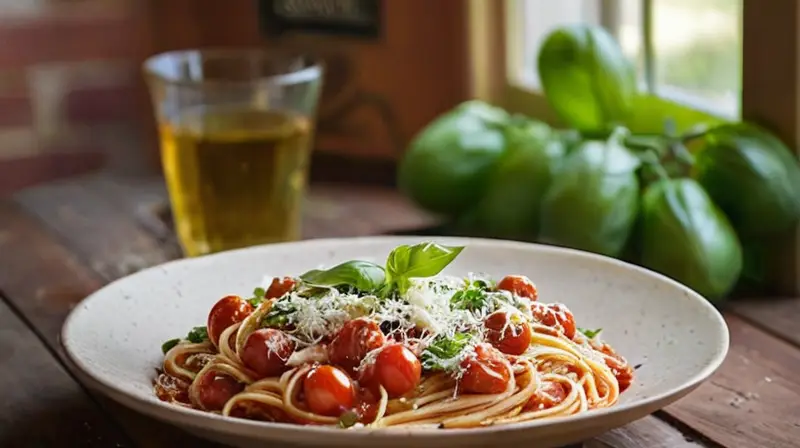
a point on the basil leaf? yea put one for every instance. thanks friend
(197, 335)
(362, 275)
(167, 346)
(591, 334)
(398, 260)
(420, 260)
(259, 292)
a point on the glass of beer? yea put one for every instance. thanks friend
(236, 127)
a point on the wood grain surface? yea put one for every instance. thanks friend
(754, 398)
(42, 280)
(42, 403)
(777, 316)
(61, 241)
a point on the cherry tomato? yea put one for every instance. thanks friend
(519, 285)
(279, 287)
(396, 368)
(214, 389)
(485, 372)
(328, 391)
(622, 371)
(512, 337)
(172, 389)
(266, 351)
(549, 394)
(228, 311)
(555, 314)
(356, 338)
(366, 406)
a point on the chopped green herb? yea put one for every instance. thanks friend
(279, 315)
(469, 299)
(591, 334)
(348, 419)
(167, 346)
(482, 285)
(197, 335)
(258, 297)
(443, 351)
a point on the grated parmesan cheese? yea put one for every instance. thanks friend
(317, 314)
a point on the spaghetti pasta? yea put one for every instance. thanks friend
(351, 348)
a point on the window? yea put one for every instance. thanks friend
(701, 61)
(687, 51)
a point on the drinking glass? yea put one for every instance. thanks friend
(235, 129)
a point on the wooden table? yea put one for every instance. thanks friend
(61, 241)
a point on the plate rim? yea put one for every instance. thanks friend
(218, 423)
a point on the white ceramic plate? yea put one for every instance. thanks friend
(114, 337)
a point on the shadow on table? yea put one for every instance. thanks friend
(74, 425)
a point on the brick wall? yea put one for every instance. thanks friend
(72, 96)
(70, 86)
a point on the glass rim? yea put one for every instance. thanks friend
(304, 75)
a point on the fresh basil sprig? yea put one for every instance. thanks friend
(404, 263)
(420, 260)
(362, 275)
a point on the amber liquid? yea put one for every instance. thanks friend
(236, 176)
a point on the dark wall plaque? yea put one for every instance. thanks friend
(362, 18)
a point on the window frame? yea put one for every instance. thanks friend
(770, 92)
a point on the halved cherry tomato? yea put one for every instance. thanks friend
(622, 371)
(519, 285)
(356, 338)
(171, 389)
(328, 391)
(228, 311)
(214, 389)
(279, 287)
(366, 406)
(511, 337)
(549, 394)
(266, 351)
(396, 368)
(553, 315)
(485, 372)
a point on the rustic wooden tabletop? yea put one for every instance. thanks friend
(63, 240)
